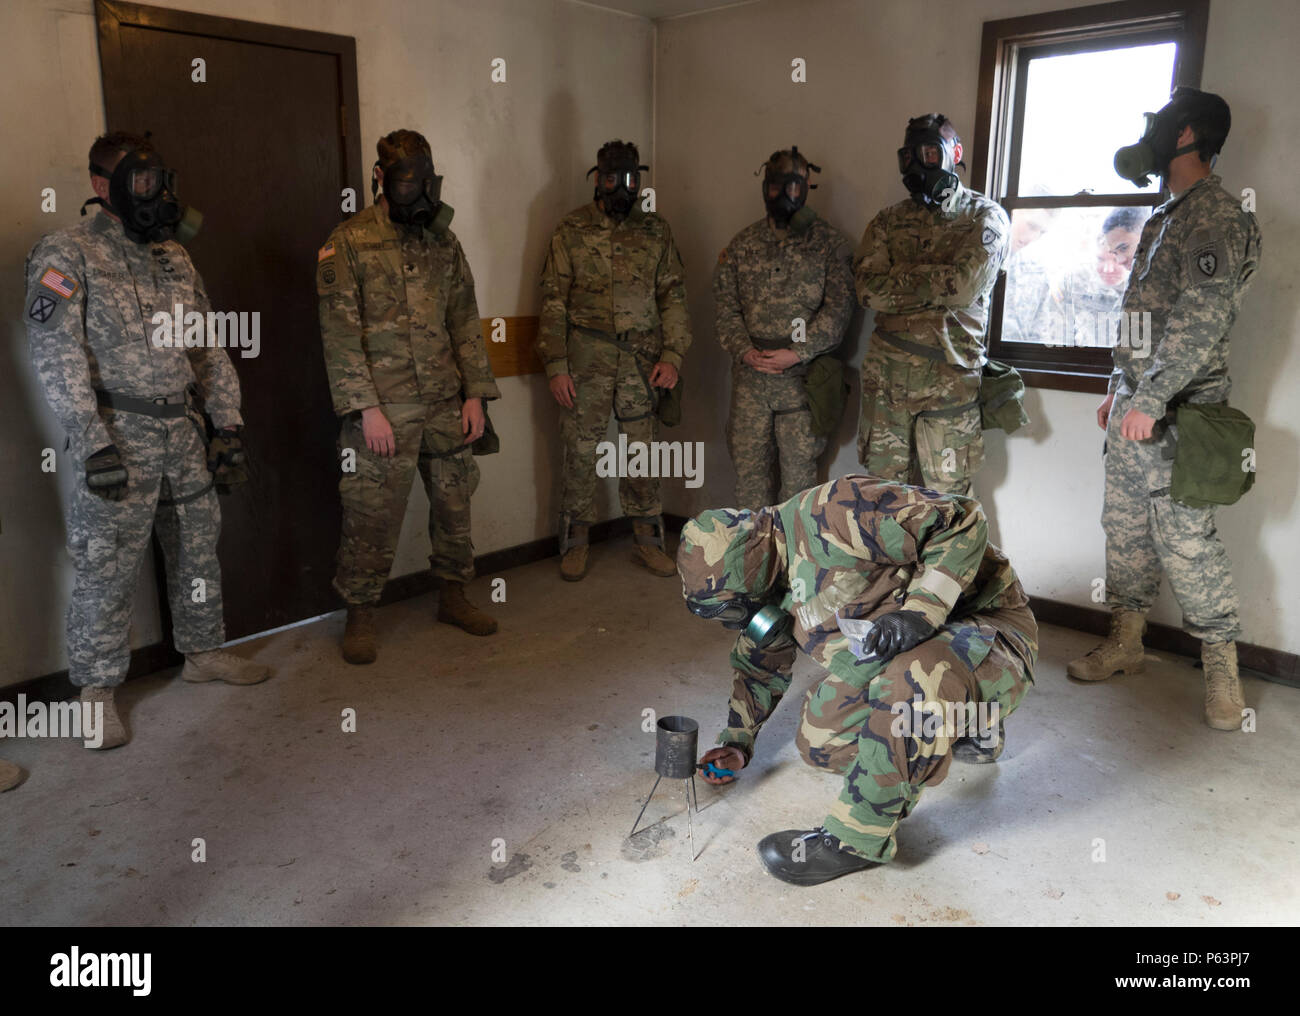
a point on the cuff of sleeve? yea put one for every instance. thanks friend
(1154, 408)
(733, 737)
(674, 360)
(227, 421)
(482, 390)
(356, 403)
(934, 611)
(554, 368)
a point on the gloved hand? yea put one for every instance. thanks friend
(227, 459)
(106, 475)
(897, 633)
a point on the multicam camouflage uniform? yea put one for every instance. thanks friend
(613, 305)
(401, 331)
(92, 294)
(767, 278)
(929, 275)
(856, 548)
(1198, 254)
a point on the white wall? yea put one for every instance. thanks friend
(513, 157)
(725, 101)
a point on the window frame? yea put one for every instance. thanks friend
(999, 126)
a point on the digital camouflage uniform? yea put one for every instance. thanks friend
(1083, 311)
(91, 297)
(928, 273)
(854, 548)
(401, 331)
(613, 305)
(1026, 306)
(766, 279)
(1198, 253)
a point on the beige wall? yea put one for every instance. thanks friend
(725, 100)
(513, 156)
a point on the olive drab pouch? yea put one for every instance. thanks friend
(1002, 398)
(669, 409)
(1214, 461)
(828, 393)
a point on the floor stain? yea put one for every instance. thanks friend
(648, 844)
(519, 863)
(569, 861)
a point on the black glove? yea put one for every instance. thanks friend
(897, 633)
(105, 474)
(227, 459)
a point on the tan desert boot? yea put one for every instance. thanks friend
(573, 563)
(647, 551)
(359, 636)
(219, 665)
(1121, 652)
(112, 732)
(10, 776)
(453, 608)
(1224, 700)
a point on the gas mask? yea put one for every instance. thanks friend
(1156, 149)
(780, 174)
(414, 194)
(764, 623)
(142, 193)
(927, 161)
(618, 181)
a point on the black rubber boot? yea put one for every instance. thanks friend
(808, 856)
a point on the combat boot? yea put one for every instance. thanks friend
(359, 636)
(648, 550)
(453, 608)
(219, 665)
(573, 563)
(1121, 652)
(112, 732)
(1224, 700)
(10, 776)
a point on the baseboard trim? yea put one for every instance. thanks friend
(1274, 664)
(160, 655)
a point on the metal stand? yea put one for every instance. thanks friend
(689, 791)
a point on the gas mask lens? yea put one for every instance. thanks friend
(625, 180)
(145, 183)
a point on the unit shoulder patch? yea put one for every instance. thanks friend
(1206, 257)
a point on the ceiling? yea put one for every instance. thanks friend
(656, 9)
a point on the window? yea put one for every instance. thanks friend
(1059, 93)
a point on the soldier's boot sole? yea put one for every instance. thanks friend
(574, 563)
(359, 636)
(112, 731)
(653, 560)
(454, 609)
(10, 776)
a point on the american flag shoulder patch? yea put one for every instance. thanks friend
(60, 283)
(325, 252)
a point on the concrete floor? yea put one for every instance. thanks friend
(533, 737)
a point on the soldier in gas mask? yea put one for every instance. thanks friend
(133, 428)
(612, 335)
(1197, 256)
(920, 622)
(408, 373)
(927, 267)
(783, 295)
